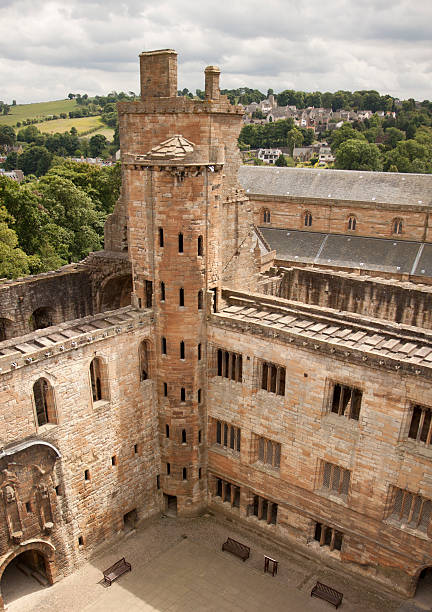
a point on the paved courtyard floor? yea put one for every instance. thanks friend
(178, 566)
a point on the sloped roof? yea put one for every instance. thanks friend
(379, 187)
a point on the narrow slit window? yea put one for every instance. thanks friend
(164, 346)
(167, 431)
(183, 436)
(200, 246)
(162, 291)
(182, 350)
(199, 352)
(181, 297)
(161, 237)
(180, 243)
(183, 394)
(200, 300)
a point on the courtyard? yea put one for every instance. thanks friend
(178, 566)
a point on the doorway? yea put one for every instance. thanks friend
(25, 574)
(170, 504)
(423, 593)
(130, 520)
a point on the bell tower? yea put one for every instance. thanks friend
(188, 230)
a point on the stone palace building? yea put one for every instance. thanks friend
(253, 340)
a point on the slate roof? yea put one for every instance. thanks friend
(379, 187)
(316, 327)
(359, 252)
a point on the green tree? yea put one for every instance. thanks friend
(97, 144)
(11, 161)
(294, 139)
(7, 136)
(392, 136)
(355, 154)
(35, 160)
(346, 132)
(13, 261)
(281, 160)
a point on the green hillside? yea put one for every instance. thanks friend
(38, 110)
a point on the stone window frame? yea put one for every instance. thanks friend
(408, 510)
(266, 452)
(345, 411)
(271, 377)
(265, 215)
(225, 436)
(397, 226)
(145, 359)
(352, 223)
(49, 407)
(228, 364)
(334, 480)
(262, 509)
(225, 491)
(328, 536)
(307, 218)
(421, 432)
(104, 391)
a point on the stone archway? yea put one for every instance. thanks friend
(35, 561)
(423, 592)
(115, 293)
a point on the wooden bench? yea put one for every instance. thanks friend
(325, 592)
(115, 571)
(236, 548)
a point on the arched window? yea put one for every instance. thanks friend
(44, 402)
(42, 318)
(265, 215)
(5, 326)
(144, 360)
(397, 226)
(200, 246)
(98, 391)
(352, 222)
(308, 219)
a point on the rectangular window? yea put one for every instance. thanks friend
(229, 365)
(346, 401)
(161, 237)
(421, 425)
(267, 451)
(264, 510)
(227, 435)
(335, 479)
(199, 352)
(327, 536)
(162, 291)
(410, 510)
(164, 346)
(228, 492)
(165, 389)
(272, 378)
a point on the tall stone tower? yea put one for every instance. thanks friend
(186, 226)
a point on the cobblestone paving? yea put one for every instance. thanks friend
(178, 566)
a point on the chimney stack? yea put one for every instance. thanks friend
(212, 91)
(158, 73)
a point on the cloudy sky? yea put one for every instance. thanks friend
(49, 48)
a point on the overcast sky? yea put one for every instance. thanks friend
(50, 48)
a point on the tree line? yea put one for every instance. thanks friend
(57, 219)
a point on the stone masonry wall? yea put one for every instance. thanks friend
(372, 219)
(375, 449)
(401, 302)
(115, 439)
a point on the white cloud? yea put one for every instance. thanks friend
(51, 47)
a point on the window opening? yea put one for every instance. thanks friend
(180, 243)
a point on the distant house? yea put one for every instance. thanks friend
(15, 175)
(269, 156)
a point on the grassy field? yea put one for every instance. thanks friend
(64, 125)
(37, 110)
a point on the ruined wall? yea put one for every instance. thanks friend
(66, 294)
(372, 219)
(401, 302)
(109, 447)
(375, 449)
